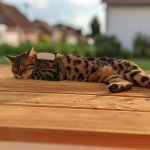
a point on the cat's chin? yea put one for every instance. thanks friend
(27, 75)
(17, 76)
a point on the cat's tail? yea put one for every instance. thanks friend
(137, 77)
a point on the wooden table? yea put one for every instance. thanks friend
(77, 113)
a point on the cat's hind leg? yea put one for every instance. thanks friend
(116, 83)
(138, 78)
(119, 85)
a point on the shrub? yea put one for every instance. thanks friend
(142, 46)
(104, 46)
(80, 48)
(125, 53)
(107, 46)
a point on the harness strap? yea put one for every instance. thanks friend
(61, 69)
(57, 58)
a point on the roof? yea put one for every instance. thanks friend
(137, 2)
(69, 29)
(44, 26)
(11, 16)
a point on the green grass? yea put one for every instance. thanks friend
(3, 60)
(143, 63)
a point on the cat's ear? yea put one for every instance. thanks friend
(32, 54)
(10, 58)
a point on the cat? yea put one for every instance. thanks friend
(118, 74)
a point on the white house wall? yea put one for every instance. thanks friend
(126, 21)
(9, 37)
(71, 39)
(12, 38)
(3, 29)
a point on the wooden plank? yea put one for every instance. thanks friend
(10, 84)
(74, 101)
(5, 71)
(66, 87)
(99, 121)
(84, 112)
(76, 138)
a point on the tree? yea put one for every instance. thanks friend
(95, 27)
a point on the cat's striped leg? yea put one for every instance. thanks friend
(138, 78)
(116, 83)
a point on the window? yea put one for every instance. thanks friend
(1, 17)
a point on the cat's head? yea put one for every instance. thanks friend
(24, 64)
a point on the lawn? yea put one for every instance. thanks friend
(3, 60)
(143, 63)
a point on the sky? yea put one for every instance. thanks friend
(76, 13)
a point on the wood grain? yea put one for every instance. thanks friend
(5, 71)
(75, 101)
(137, 142)
(86, 120)
(66, 87)
(72, 113)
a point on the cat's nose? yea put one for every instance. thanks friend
(18, 76)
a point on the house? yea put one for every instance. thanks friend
(67, 34)
(15, 27)
(126, 18)
(59, 32)
(46, 30)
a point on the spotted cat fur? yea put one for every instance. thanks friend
(118, 74)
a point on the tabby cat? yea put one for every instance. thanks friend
(118, 74)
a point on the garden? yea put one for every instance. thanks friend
(102, 46)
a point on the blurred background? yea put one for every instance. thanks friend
(97, 28)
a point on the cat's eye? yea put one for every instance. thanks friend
(26, 66)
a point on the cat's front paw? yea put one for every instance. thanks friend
(117, 87)
(114, 88)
